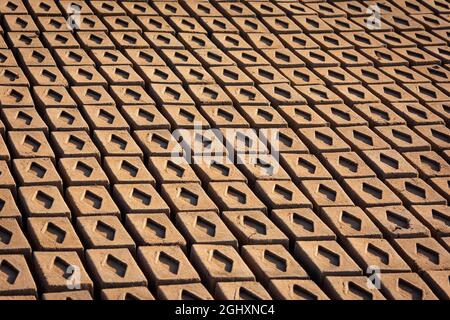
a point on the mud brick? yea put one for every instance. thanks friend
(439, 283)
(209, 94)
(404, 74)
(215, 169)
(58, 40)
(250, 59)
(336, 76)
(389, 164)
(230, 41)
(331, 41)
(391, 93)
(91, 23)
(423, 254)
(301, 224)
(104, 232)
(440, 52)
(301, 116)
(397, 222)
(158, 142)
(434, 217)
(437, 135)
(281, 194)
(195, 41)
(202, 9)
(13, 7)
(246, 96)
(52, 97)
(143, 57)
(355, 94)
(402, 23)
(219, 263)
(91, 201)
(434, 72)
(173, 94)
(230, 75)
(7, 57)
(316, 58)
(189, 197)
(416, 114)
(343, 24)
(325, 258)
(301, 76)
(135, 198)
(362, 138)
(186, 24)
(163, 40)
(84, 76)
(413, 7)
(280, 24)
(69, 7)
(370, 75)
(52, 23)
(125, 24)
(248, 25)
(30, 57)
(350, 58)
(91, 95)
(45, 76)
(393, 40)
(116, 143)
(204, 227)
(254, 227)
(53, 234)
(82, 171)
(378, 114)
(264, 41)
(13, 76)
(282, 140)
(416, 56)
(303, 167)
(23, 119)
(350, 288)
(402, 138)
(18, 279)
(188, 291)
(261, 167)
(432, 21)
(426, 92)
(184, 117)
(90, 40)
(130, 95)
(23, 40)
(322, 139)
(104, 118)
(134, 9)
(383, 57)
(442, 186)
(319, 94)
(12, 238)
(224, 116)
(19, 23)
(30, 144)
(177, 57)
(159, 74)
(311, 24)
(41, 171)
(429, 164)
(171, 170)
(347, 165)
(108, 58)
(370, 192)
(325, 193)
(298, 41)
(6, 178)
(73, 57)
(231, 9)
(69, 144)
(263, 117)
(283, 94)
(341, 116)
(295, 289)
(8, 206)
(133, 293)
(129, 39)
(245, 290)
(114, 268)
(212, 58)
(107, 8)
(127, 170)
(406, 286)
(415, 191)
(362, 40)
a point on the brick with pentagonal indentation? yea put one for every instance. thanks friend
(190, 291)
(90, 201)
(82, 171)
(243, 290)
(43, 201)
(16, 277)
(127, 170)
(296, 289)
(12, 238)
(415, 191)
(132, 293)
(351, 288)
(135, 198)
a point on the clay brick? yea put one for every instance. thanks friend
(13, 76)
(135, 198)
(183, 197)
(298, 41)
(331, 41)
(295, 289)
(207, 94)
(202, 9)
(326, 10)
(397, 222)
(263, 117)
(23, 119)
(154, 229)
(301, 76)
(107, 8)
(347, 165)
(184, 117)
(283, 94)
(362, 40)
(190, 291)
(438, 281)
(91, 95)
(42, 201)
(212, 58)
(350, 58)
(122, 75)
(28, 39)
(68, 7)
(261, 167)
(81, 171)
(406, 286)
(253, 227)
(325, 193)
(282, 140)
(19, 23)
(342, 24)
(138, 8)
(143, 57)
(325, 258)
(12, 238)
(219, 263)
(73, 57)
(301, 116)
(158, 74)
(243, 96)
(229, 42)
(316, 58)
(437, 135)
(231, 9)
(165, 265)
(244, 143)
(415, 191)
(84, 76)
(8, 207)
(91, 201)
(204, 228)
(6, 178)
(434, 217)
(186, 24)
(29, 57)
(45, 76)
(158, 142)
(338, 76)
(170, 94)
(13, 7)
(303, 167)
(248, 25)
(280, 25)
(116, 143)
(423, 254)
(382, 57)
(126, 28)
(15, 267)
(362, 138)
(351, 288)
(83, 295)
(71, 144)
(144, 117)
(196, 41)
(15, 97)
(322, 139)
(389, 164)
(402, 138)
(127, 170)
(441, 185)
(223, 117)
(52, 23)
(416, 114)
(56, 271)
(133, 293)
(57, 40)
(426, 92)
(53, 97)
(250, 60)
(281, 194)
(435, 73)
(216, 169)
(429, 164)
(301, 224)
(245, 290)
(53, 234)
(41, 171)
(104, 118)
(171, 170)
(370, 192)
(162, 40)
(312, 24)
(349, 222)
(114, 268)
(104, 232)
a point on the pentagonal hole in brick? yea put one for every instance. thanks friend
(148, 116)
(196, 74)
(222, 261)
(133, 94)
(117, 266)
(357, 93)
(309, 166)
(160, 141)
(438, 73)
(49, 75)
(282, 92)
(85, 169)
(118, 141)
(156, 228)
(212, 94)
(111, 56)
(350, 56)
(351, 220)
(302, 76)
(266, 74)
(440, 135)
(284, 139)
(95, 38)
(265, 166)
(5, 235)
(44, 199)
(56, 96)
(440, 216)
(329, 193)
(247, 93)
(303, 293)
(37, 170)
(380, 254)
(432, 164)
(122, 73)
(416, 190)
(237, 195)
(320, 93)
(170, 263)
(225, 114)
(305, 223)
(428, 253)
(188, 295)
(85, 74)
(189, 196)
(281, 23)
(393, 163)
(31, 143)
(332, 257)
(254, 225)
(392, 92)
(187, 115)
(25, 118)
(358, 135)
(380, 113)
(414, 292)
(141, 196)
(323, 137)
(55, 233)
(417, 112)
(105, 230)
(63, 268)
(76, 142)
(400, 221)
(341, 114)
(10, 273)
(223, 169)
(206, 226)
(25, 39)
(402, 136)
(106, 116)
(129, 168)
(74, 56)
(372, 190)
(172, 166)
(301, 113)
(277, 261)
(39, 57)
(312, 23)
(10, 75)
(283, 192)
(331, 40)
(359, 291)
(404, 74)
(349, 164)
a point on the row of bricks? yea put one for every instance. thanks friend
(213, 264)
